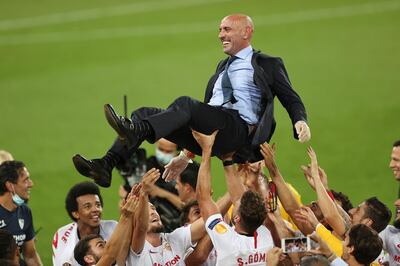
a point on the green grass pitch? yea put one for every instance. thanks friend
(60, 61)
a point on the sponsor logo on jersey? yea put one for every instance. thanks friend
(220, 228)
(21, 223)
(2, 223)
(214, 223)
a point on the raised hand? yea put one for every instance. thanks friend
(130, 206)
(268, 152)
(149, 179)
(322, 176)
(314, 162)
(306, 215)
(205, 141)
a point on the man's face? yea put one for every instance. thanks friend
(357, 214)
(89, 210)
(182, 190)
(346, 250)
(155, 224)
(166, 146)
(96, 249)
(395, 162)
(194, 214)
(316, 210)
(24, 184)
(233, 35)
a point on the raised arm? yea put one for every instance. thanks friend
(203, 188)
(285, 195)
(141, 220)
(233, 182)
(119, 236)
(327, 205)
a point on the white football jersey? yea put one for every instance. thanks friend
(391, 245)
(66, 238)
(236, 249)
(171, 251)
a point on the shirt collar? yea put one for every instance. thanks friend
(242, 54)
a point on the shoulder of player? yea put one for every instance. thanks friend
(68, 227)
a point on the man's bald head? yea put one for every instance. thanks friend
(235, 33)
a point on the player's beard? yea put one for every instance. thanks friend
(157, 229)
(396, 223)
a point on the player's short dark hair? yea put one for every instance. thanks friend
(189, 175)
(314, 260)
(8, 247)
(80, 189)
(344, 200)
(9, 171)
(366, 242)
(378, 212)
(252, 211)
(396, 143)
(82, 248)
(185, 211)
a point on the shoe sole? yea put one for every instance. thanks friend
(83, 166)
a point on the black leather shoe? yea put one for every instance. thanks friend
(123, 126)
(96, 169)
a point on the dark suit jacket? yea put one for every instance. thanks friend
(271, 78)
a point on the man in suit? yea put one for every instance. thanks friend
(238, 102)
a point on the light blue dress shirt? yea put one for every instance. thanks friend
(246, 93)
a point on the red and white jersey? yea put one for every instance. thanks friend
(66, 238)
(236, 249)
(171, 251)
(391, 245)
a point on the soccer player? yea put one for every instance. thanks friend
(93, 250)
(84, 205)
(246, 243)
(153, 247)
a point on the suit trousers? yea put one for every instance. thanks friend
(185, 113)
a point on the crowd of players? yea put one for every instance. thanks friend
(178, 223)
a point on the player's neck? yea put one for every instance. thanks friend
(154, 239)
(7, 202)
(240, 230)
(85, 230)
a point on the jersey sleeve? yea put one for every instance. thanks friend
(221, 233)
(182, 238)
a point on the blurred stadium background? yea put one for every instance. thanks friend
(62, 60)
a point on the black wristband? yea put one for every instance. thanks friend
(228, 162)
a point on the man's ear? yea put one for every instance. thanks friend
(9, 186)
(367, 221)
(89, 259)
(75, 214)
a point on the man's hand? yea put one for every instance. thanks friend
(310, 180)
(175, 167)
(307, 216)
(268, 152)
(205, 141)
(130, 206)
(149, 179)
(274, 255)
(303, 131)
